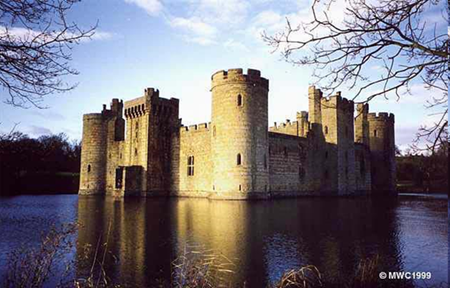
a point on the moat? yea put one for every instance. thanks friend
(262, 238)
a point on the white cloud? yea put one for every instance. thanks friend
(195, 30)
(194, 25)
(235, 45)
(204, 41)
(418, 95)
(152, 7)
(101, 35)
(26, 35)
(231, 12)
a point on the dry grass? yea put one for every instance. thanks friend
(198, 267)
(29, 267)
(195, 267)
(307, 276)
(367, 273)
(33, 267)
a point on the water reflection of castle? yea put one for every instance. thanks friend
(236, 155)
(263, 239)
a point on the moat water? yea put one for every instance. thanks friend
(263, 239)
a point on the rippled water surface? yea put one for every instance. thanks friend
(263, 238)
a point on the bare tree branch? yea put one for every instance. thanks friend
(35, 49)
(391, 35)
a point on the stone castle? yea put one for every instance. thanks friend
(326, 151)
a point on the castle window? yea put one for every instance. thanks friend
(375, 133)
(239, 100)
(135, 151)
(326, 129)
(137, 125)
(239, 159)
(240, 187)
(265, 161)
(119, 175)
(89, 168)
(301, 173)
(190, 166)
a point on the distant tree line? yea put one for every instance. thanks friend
(48, 164)
(423, 173)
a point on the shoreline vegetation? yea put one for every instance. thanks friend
(195, 266)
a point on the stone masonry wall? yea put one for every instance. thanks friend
(382, 149)
(240, 130)
(288, 161)
(195, 141)
(236, 155)
(137, 137)
(93, 154)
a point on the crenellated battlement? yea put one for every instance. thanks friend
(338, 102)
(135, 111)
(302, 114)
(381, 116)
(115, 110)
(362, 108)
(281, 125)
(324, 150)
(93, 116)
(196, 127)
(151, 101)
(237, 75)
(151, 92)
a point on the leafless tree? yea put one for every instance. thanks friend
(36, 39)
(397, 37)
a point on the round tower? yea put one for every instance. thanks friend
(239, 140)
(93, 155)
(382, 150)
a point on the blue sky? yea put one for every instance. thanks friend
(175, 46)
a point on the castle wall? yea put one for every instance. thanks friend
(289, 165)
(295, 128)
(236, 156)
(152, 134)
(163, 129)
(362, 169)
(338, 130)
(382, 149)
(137, 137)
(195, 141)
(288, 128)
(93, 154)
(240, 130)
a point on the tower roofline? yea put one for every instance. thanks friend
(237, 76)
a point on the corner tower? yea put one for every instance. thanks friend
(382, 150)
(240, 134)
(103, 133)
